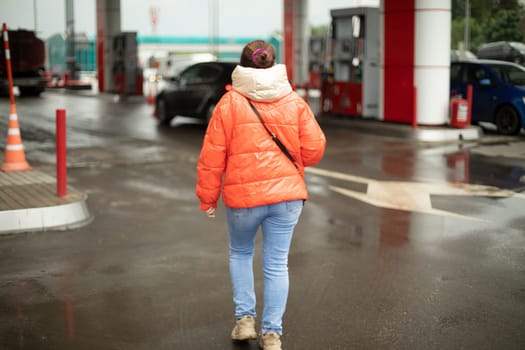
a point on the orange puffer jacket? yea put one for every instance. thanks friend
(239, 157)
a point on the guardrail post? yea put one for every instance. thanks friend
(61, 152)
(469, 102)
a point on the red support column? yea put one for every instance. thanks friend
(101, 15)
(289, 58)
(399, 60)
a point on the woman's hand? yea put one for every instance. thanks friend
(210, 212)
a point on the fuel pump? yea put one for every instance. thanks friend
(126, 73)
(349, 83)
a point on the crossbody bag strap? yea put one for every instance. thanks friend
(273, 136)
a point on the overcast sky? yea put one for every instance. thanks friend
(236, 18)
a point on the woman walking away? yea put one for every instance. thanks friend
(260, 137)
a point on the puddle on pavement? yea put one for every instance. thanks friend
(506, 177)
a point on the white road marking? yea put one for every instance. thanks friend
(410, 196)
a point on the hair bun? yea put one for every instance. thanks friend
(258, 54)
(259, 57)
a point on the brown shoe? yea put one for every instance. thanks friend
(244, 329)
(270, 341)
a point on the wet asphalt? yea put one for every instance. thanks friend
(151, 271)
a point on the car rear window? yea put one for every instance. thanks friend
(201, 74)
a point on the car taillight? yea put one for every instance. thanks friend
(228, 87)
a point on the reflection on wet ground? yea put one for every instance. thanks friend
(368, 270)
(409, 196)
(481, 170)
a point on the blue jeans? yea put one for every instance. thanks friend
(278, 222)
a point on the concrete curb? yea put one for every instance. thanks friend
(404, 131)
(440, 135)
(28, 203)
(58, 217)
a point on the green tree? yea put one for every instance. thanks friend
(506, 4)
(321, 30)
(478, 8)
(504, 25)
(490, 20)
(458, 33)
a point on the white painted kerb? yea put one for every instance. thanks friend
(47, 218)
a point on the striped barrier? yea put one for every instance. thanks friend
(14, 158)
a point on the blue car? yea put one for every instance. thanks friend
(498, 92)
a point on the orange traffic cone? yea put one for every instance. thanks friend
(14, 159)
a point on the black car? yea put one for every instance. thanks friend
(195, 91)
